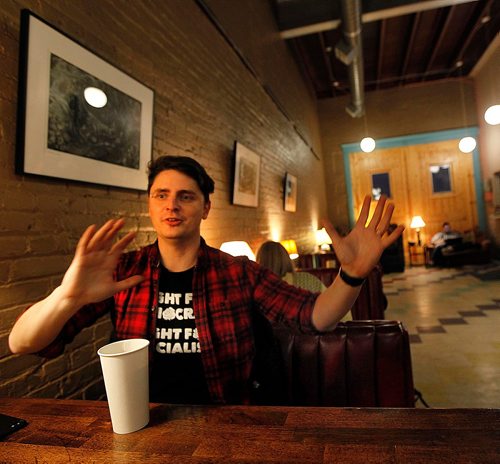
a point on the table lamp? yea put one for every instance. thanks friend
(323, 240)
(238, 248)
(417, 223)
(291, 248)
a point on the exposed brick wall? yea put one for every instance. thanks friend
(205, 99)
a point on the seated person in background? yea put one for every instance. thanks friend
(273, 256)
(441, 240)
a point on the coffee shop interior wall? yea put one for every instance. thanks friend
(209, 92)
(417, 109)
(217, 78)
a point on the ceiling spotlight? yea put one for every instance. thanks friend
(95, 97)
(367, 144)
(492, 115)
(467, 144)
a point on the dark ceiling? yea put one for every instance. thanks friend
(404, 41)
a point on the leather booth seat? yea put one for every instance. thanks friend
(371, 302)
(360, 363)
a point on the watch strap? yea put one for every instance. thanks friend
(349, 280)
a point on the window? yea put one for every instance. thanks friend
(441, 181)
(381, 185)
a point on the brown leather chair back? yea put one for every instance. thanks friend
(360, 363)
(371, 302)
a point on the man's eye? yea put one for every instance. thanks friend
(187, 197)
(160, 196)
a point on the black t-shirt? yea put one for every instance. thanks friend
(177, 375)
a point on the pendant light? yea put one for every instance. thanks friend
(367, 144)
(467, 144)
(492, 115)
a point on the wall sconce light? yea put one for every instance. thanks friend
(323, 240)
(238, 248)
(291, 248)
(417, 223)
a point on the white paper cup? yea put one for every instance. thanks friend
(126, 378)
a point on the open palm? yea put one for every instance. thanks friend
(360, 250)
(89, 278)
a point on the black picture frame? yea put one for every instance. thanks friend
(61, 135)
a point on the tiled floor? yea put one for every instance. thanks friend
(453, 319)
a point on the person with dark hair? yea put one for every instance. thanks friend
(446, 237)
(193, 302)
(273, 256)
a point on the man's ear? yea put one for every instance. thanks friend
(206, 209)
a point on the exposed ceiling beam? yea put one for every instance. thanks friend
(381, 42)
(478, 24)
(372, 16)
(409, 46)
(437, 46)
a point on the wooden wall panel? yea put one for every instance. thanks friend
(411, 185)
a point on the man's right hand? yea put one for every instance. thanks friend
(89, 278)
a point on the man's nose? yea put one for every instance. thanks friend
(171, 203)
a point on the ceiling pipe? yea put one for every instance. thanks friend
(350, 51)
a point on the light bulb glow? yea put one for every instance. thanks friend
(238, 248)
(492, 115)
(95, 97)
(367, 144)
(467, 144)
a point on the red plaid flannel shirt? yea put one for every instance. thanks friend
(225, 290)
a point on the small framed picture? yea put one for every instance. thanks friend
(290, 193)
(79, 117)
(246, 176)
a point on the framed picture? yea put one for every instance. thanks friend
(290, 193)
(246, 176)
(79, 117)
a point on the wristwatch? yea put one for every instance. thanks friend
(349, 280)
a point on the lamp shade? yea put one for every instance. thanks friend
(417, 222)
(238, 248)
(323, 239)
(291, 248)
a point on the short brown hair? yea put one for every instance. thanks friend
(188, 166)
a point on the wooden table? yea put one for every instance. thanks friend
(80, 431)
(416, 254)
